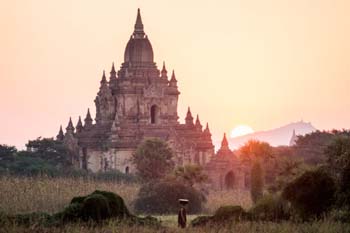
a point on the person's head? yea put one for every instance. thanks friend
(183, 202)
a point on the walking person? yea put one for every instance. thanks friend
(182, 218)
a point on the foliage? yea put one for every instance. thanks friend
(225, 214)
(255, 150)
(50, 150)
(271, 208)
(311, 194)
(343, 194)
(257, 183)
(338, 160)
(153, 159)
(97, 206)
(43, 156)
(312, 147)
(338, 153)
(340, 215)
(162, 198)
(190, 174)
(286, 170)
(93, 208)
(7, 153)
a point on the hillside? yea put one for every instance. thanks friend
(276, 137)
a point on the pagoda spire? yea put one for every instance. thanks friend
(88, 120)
(138, 32)
(164, 71)
(60, 135)
(103, 80)
(189, 118)
(207, 130)
(113, 78)
(79, 125)
(224, 142)
(198, 123)
(113, 73)
(173, 81)
(70, 127)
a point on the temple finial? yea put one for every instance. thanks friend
(224, 143)
(189, 118)
(70, 127)
(104, 80)
(88, 120)
(79, 126)
(138, 25)
(173, 81)
(198, 123)
(113, 69)
(164, 71)
(60, 135)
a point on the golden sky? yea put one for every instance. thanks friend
(263, 63)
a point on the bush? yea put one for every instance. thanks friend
(229, 213)
(96, 206)
(340, 215)
(271, 208)
(311, 194)
(162, 198)
(223, 215)
(343, 193)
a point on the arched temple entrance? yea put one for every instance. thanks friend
(230, 180)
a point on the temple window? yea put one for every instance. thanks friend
(154, 114)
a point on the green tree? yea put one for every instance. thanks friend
(51, 151)
(258, 155)
(338, 160)
(257, 183)
(338, 153)
(7, 153)
(256, 150)
(311, 194)
(313, 147)
(190, 174)
(153, 159)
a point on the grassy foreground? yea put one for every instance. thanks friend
(23, 195)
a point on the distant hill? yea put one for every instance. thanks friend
(275, 137)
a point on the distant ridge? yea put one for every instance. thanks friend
(275, 137)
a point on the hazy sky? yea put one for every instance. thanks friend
(263, 63)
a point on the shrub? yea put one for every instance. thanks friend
(340, 215)
(311, 194)
(201, 221)
(96, 206)
(223, 215)
(271, 208)
(229, 213)
(343, 194)
(162, 198)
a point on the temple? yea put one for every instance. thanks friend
(137, 102)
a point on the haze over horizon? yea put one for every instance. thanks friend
(258, 63)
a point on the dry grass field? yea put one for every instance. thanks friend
(23, 195)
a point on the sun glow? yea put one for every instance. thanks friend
(241, 130)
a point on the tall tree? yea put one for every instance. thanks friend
(190, 174)
(153, 159)
(257, 154)
(257, 183)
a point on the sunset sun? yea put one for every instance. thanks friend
(241, 130)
